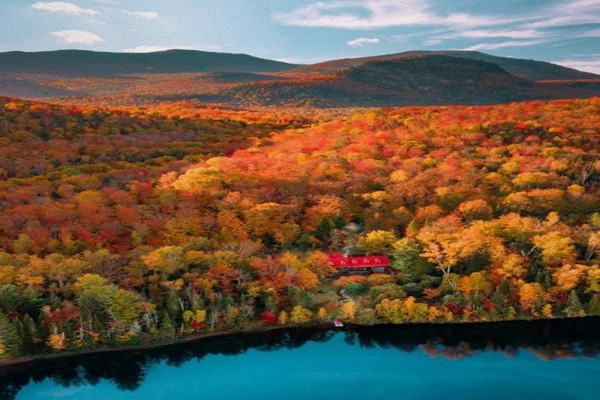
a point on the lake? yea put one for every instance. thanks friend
(517, 360)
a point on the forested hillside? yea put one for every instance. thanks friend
(393, 80)
(143, 225)
(396, 80)
(80, 63)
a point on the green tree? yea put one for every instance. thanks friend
(574, 307)
(406, 258)
(593, 306)
(124, 308)
(11, 342)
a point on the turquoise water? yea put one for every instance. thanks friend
(336, 365)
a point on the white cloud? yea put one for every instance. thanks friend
(74, 36)
(584, 55)
(568, 13)
(64, 8)
(362, 41)
(546, 25)
(300, 60)
(473, 34)
(96, 21)
(498, 33)
(590, 34)
(148, 49)
(369, 14)
(589, 66)
(152, 49)
(142, 14)
(568, 20)
(429, 33)
(510, 43)
(373, 14)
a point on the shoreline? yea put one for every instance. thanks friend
(215, 334)
(114, 349)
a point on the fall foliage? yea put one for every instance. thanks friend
(130, 224)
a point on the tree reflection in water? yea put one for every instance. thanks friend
(548, 340)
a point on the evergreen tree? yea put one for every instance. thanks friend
(574, 307)
(10, 340)
(167, 327)
(499, 299)
(593, 306)
(30, 333)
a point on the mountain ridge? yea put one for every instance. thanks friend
(400, 79)
(71, 63)
(389, 81)
(522, 68)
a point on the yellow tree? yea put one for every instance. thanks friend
(283, 317)
(166, 260)
(447, 246)
(198, 179)
(286, 233)
(593, 246)
(229, 221)
(433, 314)
(266, 218)
(349, 311)
(475, 284)
(322, 313)
(124, 308)
(475, 210)
(377, 242)
(556, 248)
(441, 249)
(593, 279)
(510, 266)
(307, 279)
(300, 315)
(391, 311)
(568, 276)
(326, 207)
(531, 297)
(57, 341)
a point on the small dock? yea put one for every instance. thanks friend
(338, 323)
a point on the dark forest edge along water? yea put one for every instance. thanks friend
(547, 340)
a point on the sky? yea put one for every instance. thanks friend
(566, 32)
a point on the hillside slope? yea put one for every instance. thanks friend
(420, 79)
(411, 78)
(526, 69)
(88, 63)
(182, 221)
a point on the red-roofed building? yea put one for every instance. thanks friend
(360, 265)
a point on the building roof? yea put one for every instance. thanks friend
(341, 261)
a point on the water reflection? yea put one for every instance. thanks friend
(548, 340)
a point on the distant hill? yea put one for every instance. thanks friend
(589, 84)
(408, 79)
(526, 69)
(17, 86)
(78, 63)
(411, 78)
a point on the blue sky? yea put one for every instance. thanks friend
(305, 31)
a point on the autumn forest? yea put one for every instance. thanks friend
(145, 225)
